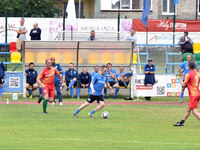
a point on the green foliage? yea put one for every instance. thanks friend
(33, 8)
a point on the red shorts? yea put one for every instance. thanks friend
(194, 100)
(50, 90)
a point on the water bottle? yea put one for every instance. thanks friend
(7, 102)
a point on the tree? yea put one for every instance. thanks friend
(33, 8)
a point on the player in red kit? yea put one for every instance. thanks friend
(192, 80)
(47, 76)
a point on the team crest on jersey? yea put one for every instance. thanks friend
(104, 78)
(74, 72)
(86, 77)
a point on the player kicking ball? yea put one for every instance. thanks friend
(47, 76)
(192, 80)
(96, 93)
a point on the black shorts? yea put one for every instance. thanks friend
(75, 84)
(2, 80)
(112, 83)
(186, 84)
(31, 84)
(92, 98)
(122, 83)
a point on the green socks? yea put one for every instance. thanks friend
(45, 105)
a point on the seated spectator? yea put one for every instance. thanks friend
(111, 75)
(96, 70)
(2, 74)
(35, 33)
(92, 36)
(149, 71)
(131, 37)
(71, 79)
(31, 83)
(84, 80)
(123, 78)
(186, 44)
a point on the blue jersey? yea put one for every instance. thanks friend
(59, 68)
(185, 67)
(31, 76)
(108, 75)
(70, 75)
(119, 75)
(151, 68)
(93, 74)
(84, 78)
(2, 69)
(98, 84)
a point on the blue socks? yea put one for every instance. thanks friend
(31, 91)
(72, 92)
(92, 112)
(71, 83)
(105, 92)
(116, 91)
(77, 111)
(40, 91)
(182, 94)
(1, 91)
(78, 92)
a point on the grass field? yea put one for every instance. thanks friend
(138, 127)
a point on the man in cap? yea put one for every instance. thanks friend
(186, 43)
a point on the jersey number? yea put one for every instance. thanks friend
(197, 80)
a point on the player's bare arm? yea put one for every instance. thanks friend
(179, 70)
(92, 87)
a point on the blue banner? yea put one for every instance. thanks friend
(176, 2)
(13, 82)
(146, 12)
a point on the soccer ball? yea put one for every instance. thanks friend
(105, 114)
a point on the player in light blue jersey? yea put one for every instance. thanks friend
(97, 85)
(96, 70)
(185, 67)
(111, 74)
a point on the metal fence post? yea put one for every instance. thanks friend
(77, 56)
(24, 74)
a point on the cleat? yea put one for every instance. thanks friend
(75, 115)
(178, 124)
(53, 103)
(67, 89)
(27, 94)
(40, 99)
(114, 97)
(181, 101)
(45, 113)
(31, 96)
(60, 103)
(90, 115)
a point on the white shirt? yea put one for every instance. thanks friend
(130, 37)
(22, 36)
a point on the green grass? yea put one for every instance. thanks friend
(144, 127)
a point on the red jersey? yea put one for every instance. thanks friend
(48, 76)
(192, 79)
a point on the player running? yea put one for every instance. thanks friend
(185, 68)
(47, 84)
(192, 80)
(97, 85)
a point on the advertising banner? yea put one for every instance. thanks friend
(166, 85)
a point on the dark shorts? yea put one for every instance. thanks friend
(92, 98)
(122, 84)
(31, 84)
(112, 83)
(2, 80)
(79, 85)
(75, 84)
(186, 84)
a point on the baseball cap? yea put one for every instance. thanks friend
(149, 59)
(186, 32)
(52, 58)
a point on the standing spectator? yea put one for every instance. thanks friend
(71, 79)
(21, 35)
(84, 80)
(186, 43)
(185, 67)
(149, 71)
(96, 70)
(35, 32)
(111, 75)
(2, 74)
(57, 81)
(131, 37)
(31, 83)
(92, 36)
